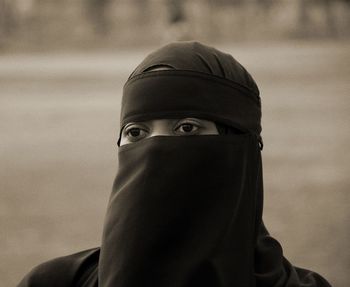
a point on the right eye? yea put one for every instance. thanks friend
(135, 133)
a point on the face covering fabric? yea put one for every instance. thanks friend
(182, 213)
(185, 211)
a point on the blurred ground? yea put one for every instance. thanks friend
(58, 156)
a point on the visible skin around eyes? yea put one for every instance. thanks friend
(136, 131)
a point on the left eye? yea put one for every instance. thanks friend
(186, 128)
(134, 133)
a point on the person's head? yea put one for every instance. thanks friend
(186, 204)
(187, 88)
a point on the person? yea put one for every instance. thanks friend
(186, 205)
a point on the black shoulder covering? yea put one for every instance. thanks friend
(79, 269)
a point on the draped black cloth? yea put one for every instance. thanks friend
(185, 211)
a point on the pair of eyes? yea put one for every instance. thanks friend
(136, 131)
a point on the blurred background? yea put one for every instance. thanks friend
(62, 67)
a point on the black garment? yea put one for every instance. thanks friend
(186, 211)
(78, 270)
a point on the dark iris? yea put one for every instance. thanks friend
(134, 132)
(187, 128)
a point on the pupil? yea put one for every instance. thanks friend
(134, 132)
(187, 127)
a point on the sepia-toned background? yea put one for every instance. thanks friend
(62, 67)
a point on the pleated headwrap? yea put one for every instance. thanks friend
(187, 211)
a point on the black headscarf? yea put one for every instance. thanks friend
(185, 211)
(202, 82)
